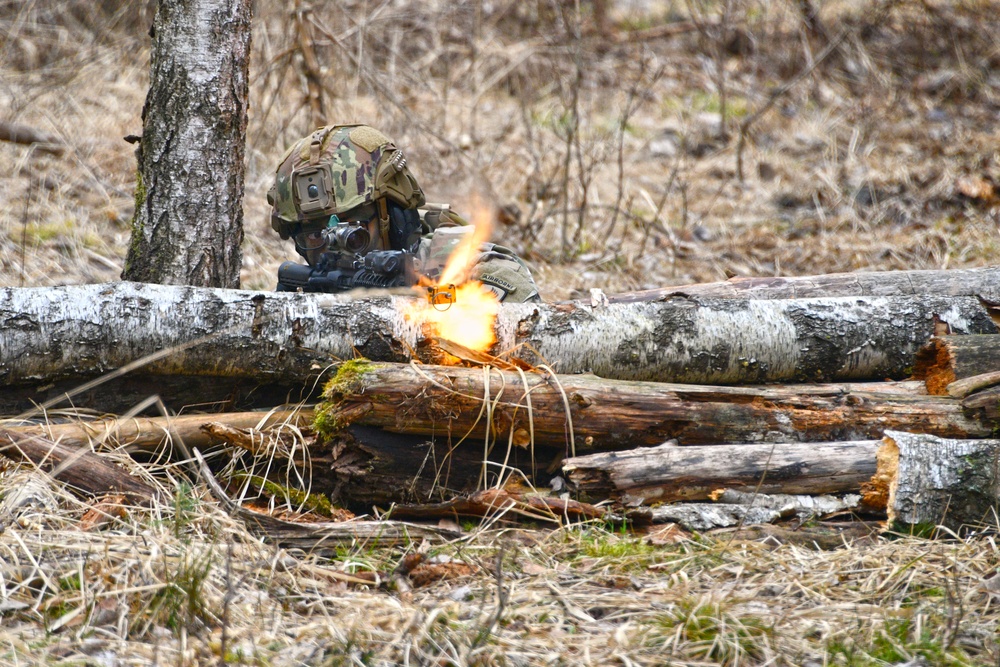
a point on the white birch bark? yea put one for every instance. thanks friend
(188, 223)
(940, 482)
(79, 331)
(983, 282)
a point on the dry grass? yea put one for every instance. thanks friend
(881, 158)
(185, 584)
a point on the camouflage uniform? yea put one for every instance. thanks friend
(355, 178)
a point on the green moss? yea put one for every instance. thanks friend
(135, 241)
(350, 379)
(313, 502)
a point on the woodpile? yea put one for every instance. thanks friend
(747, 401)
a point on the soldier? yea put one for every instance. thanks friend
(354, 210)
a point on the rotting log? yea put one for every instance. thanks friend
(358, 467)
(78, 467)
(931, 482)
(362, 467)
(669, 473)
(947, 359)
(619, 414)
(492, 502)
(802, 506)
(323, 537)
(707, 516)
(76, 332)
(982, 282)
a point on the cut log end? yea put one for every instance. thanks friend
(879, 492)
(935, 366)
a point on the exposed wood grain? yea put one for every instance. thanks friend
(669, 473)
(618, 414)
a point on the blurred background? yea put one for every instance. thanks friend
(620, 144)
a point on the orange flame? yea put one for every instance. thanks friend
(456, 270)
(469, 320)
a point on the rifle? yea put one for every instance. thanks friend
(339, 272)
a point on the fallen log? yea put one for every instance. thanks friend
(73, 332)
(323, 537)
(801, 506)
(669, 473)
(932, 482)
(79, 468)
(360, 467)
(948, 359)
(363, 467)
(498, 502)
(581, 413)
(150, 434)
(707, 516)
(983, 282)
(743, 508)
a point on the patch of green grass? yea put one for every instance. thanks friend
(623, 552)
(181, 602)
(708, 630)
(185, 508)
(896, 642)
(736, 106)
(36, 233)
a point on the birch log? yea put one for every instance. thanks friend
(76, 332)
(984, 282)
(939, 482)
(668, 473)
(587, 413)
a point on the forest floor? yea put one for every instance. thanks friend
(679, 142)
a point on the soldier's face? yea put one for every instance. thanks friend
(312, 245)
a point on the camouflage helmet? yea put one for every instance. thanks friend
(333, 170)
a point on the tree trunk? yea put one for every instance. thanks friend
(939, 482)
(57, 333)
(615, 415)
(188, 221)
(669, 473)
(947, 359)
(984, 282)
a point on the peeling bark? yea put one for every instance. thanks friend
(948, 359)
